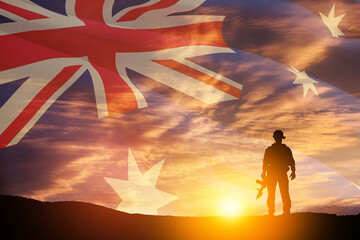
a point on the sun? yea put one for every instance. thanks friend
(229, 207)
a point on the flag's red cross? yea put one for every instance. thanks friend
(99, 42)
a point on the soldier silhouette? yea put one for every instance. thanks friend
(278, 159)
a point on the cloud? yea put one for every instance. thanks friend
(349, 206)
(315, 125)
(204, 159)
(349, 25)
(212, 150)
(292, 35)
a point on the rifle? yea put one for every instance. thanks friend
(263, 185)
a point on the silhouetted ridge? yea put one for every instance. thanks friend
(31, 219)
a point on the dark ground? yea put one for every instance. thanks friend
(30, 219)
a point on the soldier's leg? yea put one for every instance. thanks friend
(271, 185)
(284, 191)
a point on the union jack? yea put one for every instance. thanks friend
(53, 50)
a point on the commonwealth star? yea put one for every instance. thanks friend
(139, 194)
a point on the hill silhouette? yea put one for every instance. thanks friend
(31, 219)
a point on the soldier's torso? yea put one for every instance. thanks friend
(279, 158)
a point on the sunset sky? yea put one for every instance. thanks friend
(213, 152)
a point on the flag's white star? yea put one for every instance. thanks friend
(332, 22)
(305, 80)
(139, 194)
(358, 186)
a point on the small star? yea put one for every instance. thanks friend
(139, 194)
(305, 80)
(332, 22)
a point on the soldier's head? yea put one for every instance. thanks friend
(278, 136)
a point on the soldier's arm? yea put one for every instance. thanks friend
(292, 161)
(265, 163)
(292, 165)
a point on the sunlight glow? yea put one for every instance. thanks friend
(230, 207)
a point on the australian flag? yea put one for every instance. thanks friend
(167, 106)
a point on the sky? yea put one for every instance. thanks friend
(212, 152)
